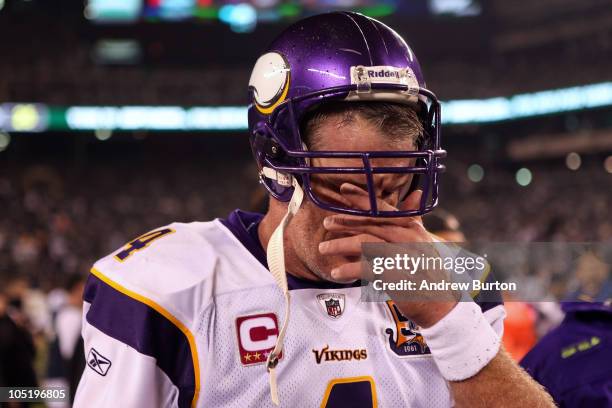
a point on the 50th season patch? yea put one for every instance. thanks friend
(404, 339)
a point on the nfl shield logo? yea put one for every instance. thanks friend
(333, 307)
(332, 304)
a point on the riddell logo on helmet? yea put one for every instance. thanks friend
(383, 73)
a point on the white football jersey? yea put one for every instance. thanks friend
(185, 316)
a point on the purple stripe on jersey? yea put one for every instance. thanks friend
(244, 227)
(144, 329)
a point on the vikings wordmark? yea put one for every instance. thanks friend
(325, 354)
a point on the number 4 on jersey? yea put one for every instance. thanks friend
(141, 242)
(360, 391)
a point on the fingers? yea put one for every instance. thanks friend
(386, 232)
(360, 198)
(413, 202)
(348, 272)
(329, 196)
(346, 246)
(351, 221)
(368, 229)
(387, 229)
(326, 191)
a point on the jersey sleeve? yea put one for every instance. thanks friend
(140, 319)
(134, 354)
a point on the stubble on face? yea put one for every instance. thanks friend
(302, 239)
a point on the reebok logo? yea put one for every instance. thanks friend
(98, 362)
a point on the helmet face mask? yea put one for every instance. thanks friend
(280, 85)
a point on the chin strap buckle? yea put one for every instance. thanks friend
(272, 361)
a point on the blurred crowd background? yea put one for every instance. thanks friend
(68, 198)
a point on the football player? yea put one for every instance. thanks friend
(580, 346)
(262, 310)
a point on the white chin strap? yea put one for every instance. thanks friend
(276, 264)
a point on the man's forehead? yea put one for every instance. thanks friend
(358, 135)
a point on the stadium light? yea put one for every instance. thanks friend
(608, 164)
(156, 118)
(103, 134)
(527, 105)
(454, 7)
(112, 10)
(5, 140)
(475, 173)
(241, 17)
(573, 161)
(524, 177)
(37, 117)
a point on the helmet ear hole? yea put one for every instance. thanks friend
(273, 149)
(266, 149)
(264, 142)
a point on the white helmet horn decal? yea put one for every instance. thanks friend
(270, 81)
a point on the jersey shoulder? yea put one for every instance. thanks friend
(180, 267)
(165, 260)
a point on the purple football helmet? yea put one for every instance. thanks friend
(340, 56)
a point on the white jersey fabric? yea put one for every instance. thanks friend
(185, 315)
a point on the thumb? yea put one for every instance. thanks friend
(412, 202)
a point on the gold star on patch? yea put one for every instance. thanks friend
(247, 357)
(257, 355)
